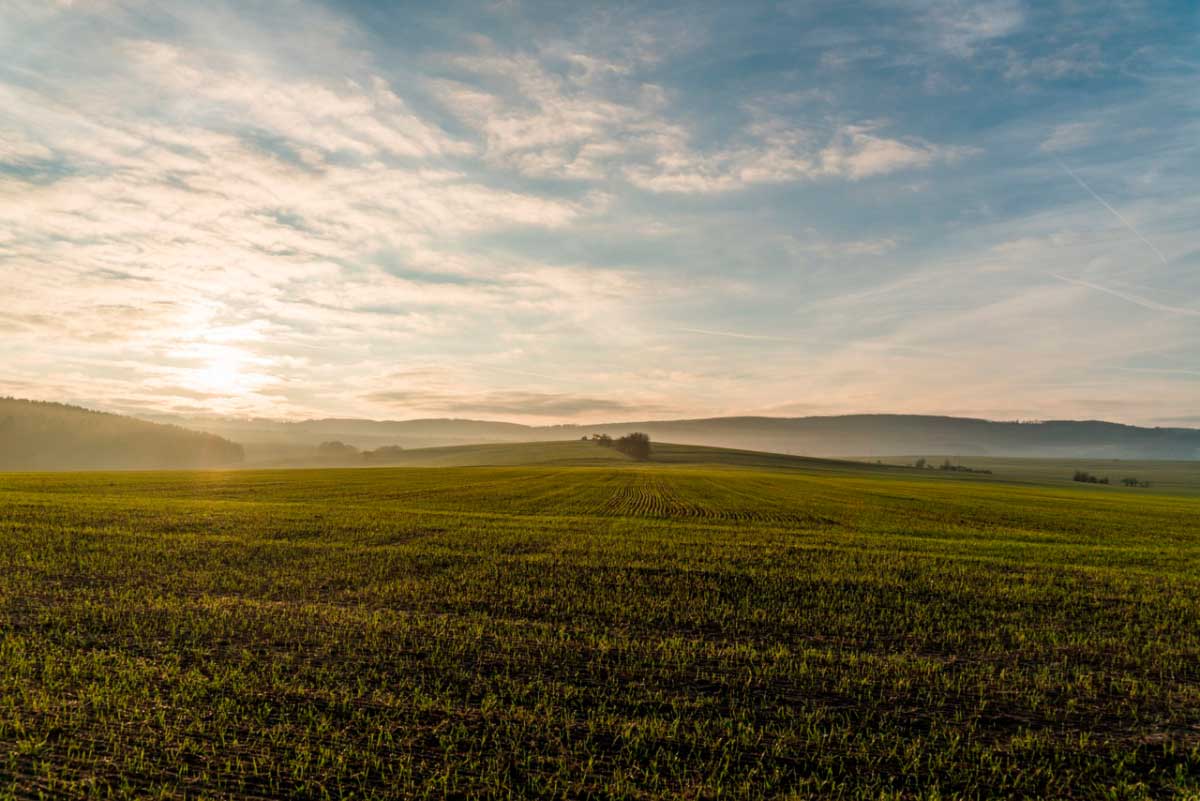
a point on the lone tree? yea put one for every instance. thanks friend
(636, 445)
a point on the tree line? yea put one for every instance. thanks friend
(1087, 478)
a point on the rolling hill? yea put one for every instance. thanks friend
(1178, 477)
(847, 435)
(52, 436)
(49, 436)
(576, 453)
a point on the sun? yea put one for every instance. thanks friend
(221, 370)
(222, 375)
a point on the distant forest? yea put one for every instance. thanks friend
(35, 435)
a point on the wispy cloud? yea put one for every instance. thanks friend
(571, 124)
(775, 154)
(1069, 136)
(962, 27)
(510, 404)
(1079, 60)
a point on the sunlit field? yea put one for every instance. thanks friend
(608, 631)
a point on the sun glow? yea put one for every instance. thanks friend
(223, 370)
(222, 374)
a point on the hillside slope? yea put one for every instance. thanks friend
(894, 434)
(846, 435)
(1171, 477)
(577, 453)
(35, 435)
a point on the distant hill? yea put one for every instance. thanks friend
(577, 453)
(53, 436)
(895, 434)
(1173, 477)
(846, 435)
(274, 440)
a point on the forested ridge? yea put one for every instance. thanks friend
(37, 435)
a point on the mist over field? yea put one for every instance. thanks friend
(51, 436)
(844, 436)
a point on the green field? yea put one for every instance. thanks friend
(1173, 477)
(754, 627)
(577, 453)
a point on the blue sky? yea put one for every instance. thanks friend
(563, 212)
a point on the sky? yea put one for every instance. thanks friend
(556, 212)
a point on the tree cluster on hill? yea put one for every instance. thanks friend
(635, 445)
(385, 453)
(1088, 478)
(36, 435)
(338, 452)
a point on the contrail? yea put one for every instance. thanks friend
(1115, 213)
(733, 334)
(1169, 370)
(893, 347)
(1145, 303)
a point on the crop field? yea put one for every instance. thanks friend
(606, 631)
(1172, 477)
